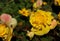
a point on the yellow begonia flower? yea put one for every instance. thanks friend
(40, 17)
(5, 32)
(24, 12)
(41, 21)
(57, 2)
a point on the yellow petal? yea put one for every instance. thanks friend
(2, 29)
(30, 34)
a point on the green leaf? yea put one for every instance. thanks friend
(48, 38)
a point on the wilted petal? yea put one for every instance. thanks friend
(53, 24)
(12, 23)
(5, 18)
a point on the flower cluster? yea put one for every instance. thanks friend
(42, 22)
(37, 17)
(7, 24)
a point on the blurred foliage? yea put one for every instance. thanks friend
(12, 6)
